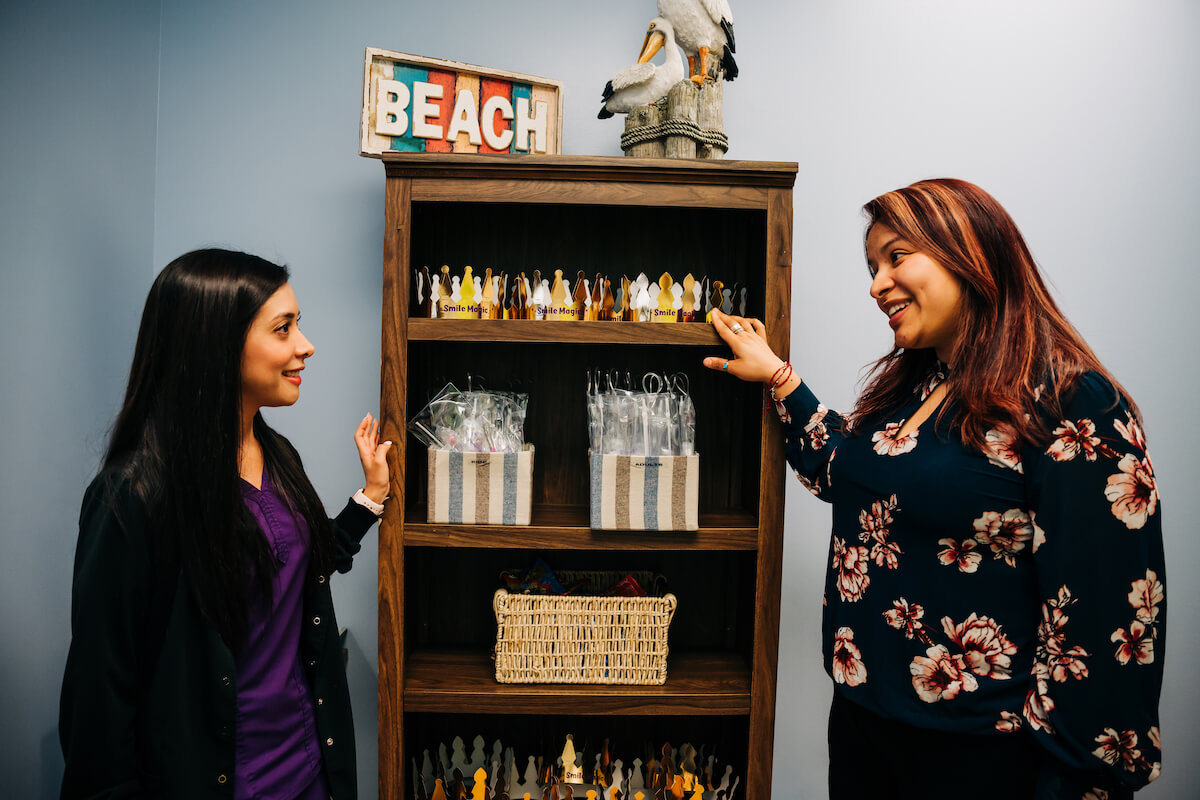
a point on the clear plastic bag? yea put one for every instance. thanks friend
(658, 421)
(472, 422)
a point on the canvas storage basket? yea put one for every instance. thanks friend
(581, 639)
(480, 488)
(651, 493)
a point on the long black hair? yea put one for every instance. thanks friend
(176, 438)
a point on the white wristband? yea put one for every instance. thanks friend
(368, 503)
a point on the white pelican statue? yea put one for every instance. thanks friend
(645, 82)
(702, 27)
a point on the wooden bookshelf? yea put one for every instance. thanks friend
(727, 219)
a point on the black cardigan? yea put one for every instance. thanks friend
(149, 692)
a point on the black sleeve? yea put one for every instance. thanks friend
(100, 693)
(349, 527)
(1098, 554)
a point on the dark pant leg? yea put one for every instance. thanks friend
(872, 758)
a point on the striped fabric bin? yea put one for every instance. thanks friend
(650, 493)
(481, 488)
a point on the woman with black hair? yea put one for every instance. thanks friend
(204, 659)
(995, 606)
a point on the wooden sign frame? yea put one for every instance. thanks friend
(438, 106)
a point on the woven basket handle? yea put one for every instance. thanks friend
(500, 604)
(671, 602)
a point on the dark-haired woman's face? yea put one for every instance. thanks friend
(274, 353)
(919, 296)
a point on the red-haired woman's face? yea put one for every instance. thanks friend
(920, 297)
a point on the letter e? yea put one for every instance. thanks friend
(422, 110)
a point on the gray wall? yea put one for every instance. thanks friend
(137, 131)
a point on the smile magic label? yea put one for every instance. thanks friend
(425, 105)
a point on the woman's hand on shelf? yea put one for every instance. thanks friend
(753, 359)
(373, 455)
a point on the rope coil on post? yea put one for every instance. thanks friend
(674, 127)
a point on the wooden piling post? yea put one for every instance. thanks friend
(681, 107)
(647, 116)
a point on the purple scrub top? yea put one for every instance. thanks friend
(278, 756)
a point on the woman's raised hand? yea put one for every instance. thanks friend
(753, 359)
(373, 455)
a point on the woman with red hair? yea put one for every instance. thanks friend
(995, 608)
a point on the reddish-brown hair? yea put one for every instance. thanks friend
(1017, 357)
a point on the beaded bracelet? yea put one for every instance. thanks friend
(781, 376)
(774, 378)
(777, 381)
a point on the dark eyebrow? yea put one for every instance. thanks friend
(890, 242)
(884, 248)
(287, 315)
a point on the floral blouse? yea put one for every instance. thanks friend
(986, 592)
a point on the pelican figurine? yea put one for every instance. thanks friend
(645, 82)
(701, 27)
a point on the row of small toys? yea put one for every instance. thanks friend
(502, 296)
(681, 774)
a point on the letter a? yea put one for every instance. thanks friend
(465, 119)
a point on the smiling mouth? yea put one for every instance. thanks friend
(894, 312)
(292, 375)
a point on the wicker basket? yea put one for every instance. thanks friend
(580, 639)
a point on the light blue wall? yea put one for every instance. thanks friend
(78, 99)
(1079, 116)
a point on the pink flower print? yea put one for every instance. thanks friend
(1038, 703)
(887, 443)
(937, 675)
(1155, 737)
(1145, 596)
(848, 667)
(877, 520)
(1131, 432)
(1054, 658)
(963, 555)
(1050, 630)
(884, 554)
(1001, 448)
(986, 650)
(1008, 722)
(1133, 491)
(813, 487)
(907, 618)
(1069, 664)
(1118, 748)
(875, 523)
(1039, 535)
(1095, 793)
(1074, 439)
(1005, 533)
(1136, 644)
(851, 564)
(932, 383)
(817, 430)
